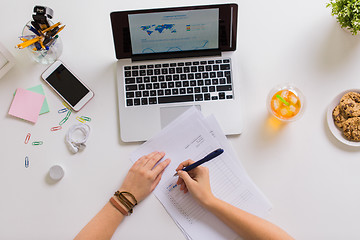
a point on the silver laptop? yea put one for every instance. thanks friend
(171, 59)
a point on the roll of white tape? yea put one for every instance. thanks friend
(56, 173)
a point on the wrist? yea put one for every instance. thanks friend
(208, 202)
(118, 206)
(127, 200)
(133, 200)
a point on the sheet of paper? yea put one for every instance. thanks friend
(189, 137)
(39, 89)
(217, 133)
(26, 105)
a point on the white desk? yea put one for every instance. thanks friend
(311, 179)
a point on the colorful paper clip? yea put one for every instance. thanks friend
(86, 118)
(26, 161)
(27, 138)
(55, 128)
(63, 121)
(63, 110)
(80, 120)
(66, 105)
(65, 118)
(37, 143)
(68, 114)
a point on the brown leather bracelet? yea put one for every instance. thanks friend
(118, 207)
(125, 201)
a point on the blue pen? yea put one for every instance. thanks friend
(33, 30)
(207, 158)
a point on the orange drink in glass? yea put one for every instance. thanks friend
(286, 102)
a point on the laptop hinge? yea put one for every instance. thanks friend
(182, 54)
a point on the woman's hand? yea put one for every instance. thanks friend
(144, 176)
(196, 181)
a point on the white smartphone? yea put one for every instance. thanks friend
(65, 83)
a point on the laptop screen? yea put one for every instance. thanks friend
(191, 31)
(174, 31)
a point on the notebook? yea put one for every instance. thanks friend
(171, 59)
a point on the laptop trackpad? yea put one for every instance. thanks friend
(168, 114)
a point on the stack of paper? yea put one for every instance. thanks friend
(191, 136)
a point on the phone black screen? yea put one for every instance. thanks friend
(67, 85)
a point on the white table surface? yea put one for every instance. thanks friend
(311, 179)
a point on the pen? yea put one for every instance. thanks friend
(208, 157)
(33, 30)
(52, 41)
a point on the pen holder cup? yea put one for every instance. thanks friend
(43, 56)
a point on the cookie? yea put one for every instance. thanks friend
(339, 117)
(351, 129)
(350, 104)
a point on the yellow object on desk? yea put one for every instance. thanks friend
(28, 42)
(52, 27)
(60, 29)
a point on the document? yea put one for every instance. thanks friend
(191, 136)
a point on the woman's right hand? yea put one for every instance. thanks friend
(196, 181)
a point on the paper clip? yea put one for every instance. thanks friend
(63, 110)
(37, 143)
(26, 161)
(27, 138)
(55, 128)
(68, 114)
(65, 118)
(66, 105)
(63, 121)
(80, 120)
(86, 118)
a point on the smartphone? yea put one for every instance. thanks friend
(69, 87)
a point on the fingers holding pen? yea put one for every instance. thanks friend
(180, 180)
(184, 164)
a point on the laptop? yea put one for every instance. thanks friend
(171, 59)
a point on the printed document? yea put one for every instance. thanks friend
(191, 136)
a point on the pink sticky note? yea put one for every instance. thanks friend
(26, 105)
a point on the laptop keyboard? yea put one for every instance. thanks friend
(178, 82)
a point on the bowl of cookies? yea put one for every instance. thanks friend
(343, 117)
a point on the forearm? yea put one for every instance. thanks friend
(140, 181)
(243, 223)
(103, 225)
